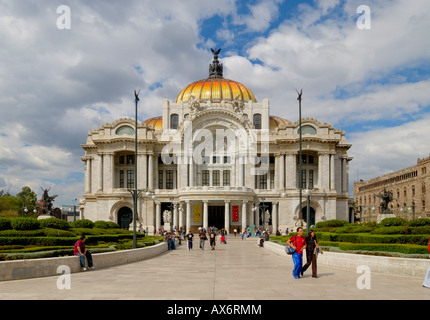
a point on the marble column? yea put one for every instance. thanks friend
(205, 214)
(181, 219)
(244, 216)
(157, 216)
(332, 184)
(281, 171)
(274, 217)
(100, 180)
(88, 175)
(151, 172)
(188, 217)
(227, 216)
(175, 217)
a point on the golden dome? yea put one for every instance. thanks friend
(216, 90)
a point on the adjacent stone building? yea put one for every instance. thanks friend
(408, 186)
(216, 156)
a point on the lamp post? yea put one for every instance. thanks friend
(307, 193)
(135, 193)
(300, 152)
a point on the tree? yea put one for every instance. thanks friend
(28, 199)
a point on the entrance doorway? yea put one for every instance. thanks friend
(125, 217)
(311, 215)
(216, 216)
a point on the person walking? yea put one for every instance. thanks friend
(203, 238)
(312, 249)
(212, 238)
(81, 251)
(190, 238)
(298, 243)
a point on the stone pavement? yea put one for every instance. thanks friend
(239, 270)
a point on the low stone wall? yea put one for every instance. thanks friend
(35, 268)
(387, 265)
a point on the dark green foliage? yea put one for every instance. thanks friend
(25, 223)
(5, 224)
(106, 225)
(331, 223)
(54, 223)
(393, 222)
(419, 222)
(84, 223)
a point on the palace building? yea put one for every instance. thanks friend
(216, 157)
(408, 187)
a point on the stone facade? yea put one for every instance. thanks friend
(219, 159)
(408, 186)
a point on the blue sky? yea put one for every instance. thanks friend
(373, 84)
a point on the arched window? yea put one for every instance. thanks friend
(174, 121)
(125, 130)
(256, 119)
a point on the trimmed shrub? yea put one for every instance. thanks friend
(21, 223)
(393, 222)
(54, 223)
(106, 225)
(5, 224)
(421, 230)
(331, 223)
(392, 230)
(84, 223)
(419, 222)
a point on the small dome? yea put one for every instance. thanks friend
(216, 90)
(155, 123)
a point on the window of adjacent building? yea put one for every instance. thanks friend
(169, 179)
(205, 177)
(121, 178)
(226, 178)
(263, 181)
(215, 178)
(130, 159)
(160, 179)
(413, 191)
(130, 179)
(311, 179)
(256, 119)
(174, 121)
(272, 179)
(303, 178)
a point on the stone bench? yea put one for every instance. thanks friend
(45, 267)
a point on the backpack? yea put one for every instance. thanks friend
(288, 249)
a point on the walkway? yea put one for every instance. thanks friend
(239, 270)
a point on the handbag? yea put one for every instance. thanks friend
(288, 249)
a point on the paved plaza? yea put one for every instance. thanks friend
(239, 270)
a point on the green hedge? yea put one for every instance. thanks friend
(392, 222)
(106, 225)
(419, 222)
(54, 223)
(331, 223)
(83, 223)
(21, 223)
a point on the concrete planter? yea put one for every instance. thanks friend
(45, 267)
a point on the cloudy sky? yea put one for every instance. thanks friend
(57, 84)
